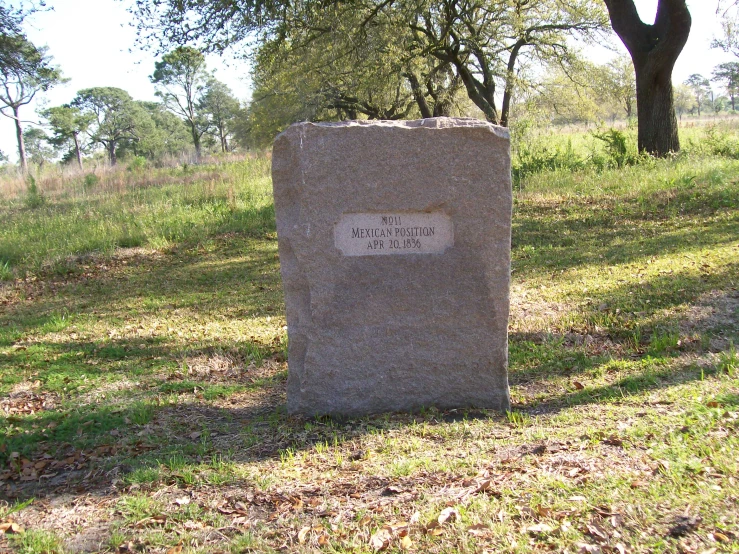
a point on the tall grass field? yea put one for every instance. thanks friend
(143, 363)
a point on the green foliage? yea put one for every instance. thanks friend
(6, 272)
(90, 181)
(68, 123)
(728, 361)
(719, 143)
(116, 118)
(220, 107)
(34, 198)
(617, 146)
(37, 146)
(28, 71)
(34, 541)
(536, 159)
(185, 206)
(168, 136)
(137, 163)
(181, 77)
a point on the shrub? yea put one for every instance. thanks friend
(90, 181)
(34, 199)
(718, 143)
(137, 163)
(532, 160)
(618, 151)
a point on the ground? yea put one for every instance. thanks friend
(144, 394)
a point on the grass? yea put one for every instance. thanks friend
(142, 382)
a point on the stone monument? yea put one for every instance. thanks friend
(394, 243)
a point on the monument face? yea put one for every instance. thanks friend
(394, 243)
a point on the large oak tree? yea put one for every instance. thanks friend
(484, 43)
(654, 49)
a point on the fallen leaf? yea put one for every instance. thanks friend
(578, 385)
(639, 484)
(406, 543)
(597, 532)
(577, 499)
(380, 540)
(720, 537)
(183, 500)
(589, 548)
(478, 529)
(323, 539)
(391, 491)
(175, 549)
(10, 527)
(303, 535)
(397, 526)
(447, 514)
(539, 528)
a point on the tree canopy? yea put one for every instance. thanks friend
(25, 70)
(181, 77)
(116, 118)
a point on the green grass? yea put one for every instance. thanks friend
(82, 221)
(152, 379)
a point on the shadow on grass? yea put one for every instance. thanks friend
(548, 236)
(185, 421)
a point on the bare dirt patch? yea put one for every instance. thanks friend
(715, 312)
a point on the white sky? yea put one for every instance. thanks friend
(94, 45)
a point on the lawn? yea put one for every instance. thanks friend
(143, 369)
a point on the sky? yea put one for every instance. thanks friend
(94, 44)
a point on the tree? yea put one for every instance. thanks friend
(684, 100)
(486, 42)
(654, 49)
(25, 72)
(68, 124)
(37, 146)
(729, 41)
(617, 83)
(483, 42)
(181, 77)
(701, 90)
(219, 106)
(116, 118)
(572, 96)
(167, 136)
(728, 75)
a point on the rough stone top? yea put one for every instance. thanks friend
(429, 123)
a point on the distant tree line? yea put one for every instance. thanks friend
(373, 59)
(195, 110)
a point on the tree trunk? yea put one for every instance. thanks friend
(224, 139)
(195, 141)
(77, 149)
(505, 108)
(111, 153)
(418, 95)
(657, 120)
(654, 50)
(21, 144)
